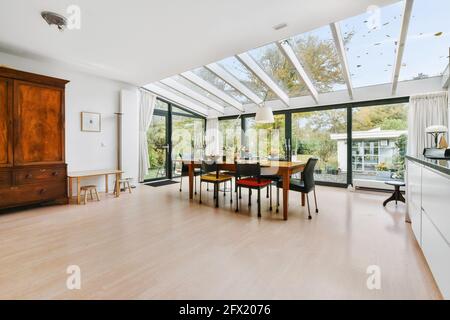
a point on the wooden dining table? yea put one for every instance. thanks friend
(284, 169)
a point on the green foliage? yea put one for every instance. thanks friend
(382, 167)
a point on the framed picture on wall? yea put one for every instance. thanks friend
(91, 121)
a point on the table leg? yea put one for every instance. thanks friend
(106, 184)
(117, 185)
(78, 191)
(70, 189)
(286, 183)
(191, 180)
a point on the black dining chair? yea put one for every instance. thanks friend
(304, 185)
(185, 173)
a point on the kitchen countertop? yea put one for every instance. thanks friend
(439, 165)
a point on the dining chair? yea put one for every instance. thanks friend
(304, 185)
(185, 173)
(248, 175)
(209, 173)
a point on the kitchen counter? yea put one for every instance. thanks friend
(442, 166)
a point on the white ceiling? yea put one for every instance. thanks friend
(140, 41)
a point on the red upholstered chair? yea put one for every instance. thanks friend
(252, 180)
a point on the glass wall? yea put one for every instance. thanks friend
(313, 135)
(187, 137)
(379, 136)
(230, 138)
(174, 134)
(158, 144)
(265, 141)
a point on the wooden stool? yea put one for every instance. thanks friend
(126, 185)
(90, 188)
(397, 195)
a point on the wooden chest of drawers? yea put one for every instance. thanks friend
(32, 148)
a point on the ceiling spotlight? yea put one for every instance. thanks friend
(56, 19)
(280, 26)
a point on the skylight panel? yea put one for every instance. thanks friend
(370, 42)
(220, 84)
(199, 90)
(428, 41)
(239, 71)
(317, 53)
(275, 64)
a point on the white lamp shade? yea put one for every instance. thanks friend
(436, 129)
(264, 115)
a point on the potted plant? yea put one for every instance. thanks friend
(383, 170)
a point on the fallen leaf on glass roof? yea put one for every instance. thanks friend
(438, 34)
(358, 66)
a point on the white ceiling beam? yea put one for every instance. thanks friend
(205, 85)
(253, 66)
(174, 84)
(234, 82)
(407, 10)
(183, 102)
(340, 48)
(287, 50)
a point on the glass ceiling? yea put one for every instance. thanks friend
(163, 86)
(318, 56)
(207, 75)
(275, 64)
(199, 90)
(427, 45)
(239, 71)
(370, 44)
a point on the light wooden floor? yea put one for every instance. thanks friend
(155, 243)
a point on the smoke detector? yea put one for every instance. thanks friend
(56, 19)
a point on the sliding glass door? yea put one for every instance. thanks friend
(379, 136)
(158, 143)
(174, 134)
(188, 132)
(322, 134)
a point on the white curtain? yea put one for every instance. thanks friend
(146, 108)
(425, 110)
(212, 137)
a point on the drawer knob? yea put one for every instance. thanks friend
(29, 175)
(55, 173)
(43, 191)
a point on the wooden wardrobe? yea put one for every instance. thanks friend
(32, 154)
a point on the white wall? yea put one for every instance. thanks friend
(84, 92)
(129, 150)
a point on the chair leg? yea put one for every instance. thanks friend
(96, 193)
(195, 185)
(240, 192)
(237, 200)
(315, 200)
(217, 194)
(85, 196)
(270, 186)
(309, 211)
(267, 194)
(92, 196)
(181, 184)
(278, 200)
(249, 197)
(231, 191)
(200, 192)
(129, 187)
(259, 202)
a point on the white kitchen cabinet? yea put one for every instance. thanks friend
(437, 252)
(436, 199)
(414, 197)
